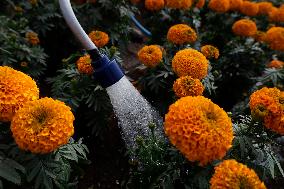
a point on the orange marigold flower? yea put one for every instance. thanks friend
(154, 5)
(16, 89)
(187, 86)
(200, 4)
(150, 55)
(210, 51)
(275, 38)
(264, 102)
(276, 64)
(260, 36)
(84, 65)
(235, 5)
(181, 33)
(199, 129)
(219, 5)
(264, 8)
(190, 62)
(99, 38)
(244, 27)
(275, 122)
(43, 125)
(276, 14)
(32, 38)
(179, 4)
(231, 174)
(249, 8)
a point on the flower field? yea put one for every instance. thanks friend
(201, 105)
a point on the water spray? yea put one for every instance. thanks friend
(134, 112)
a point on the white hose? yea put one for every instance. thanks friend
(74, 25)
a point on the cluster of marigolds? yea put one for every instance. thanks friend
(38, 125)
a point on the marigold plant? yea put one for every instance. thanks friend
(235, 5)
(181, 33)
(179, 4)
(210, 51)
(190, 62)
(276, 64)
(200, 4)
(199, 129)
(275, 38)
(150, 55)
(84, 65)
(16, 89)
(154, 5)
(187, 86)
(231, 174)
(276, 14)
(249, 8)
(264, 8)
(32, 38)
(244, 27)
(219, 5)
(99, 38)
(43, 125)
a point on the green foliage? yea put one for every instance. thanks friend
(15, 48)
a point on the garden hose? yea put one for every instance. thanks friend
(140, 27)
(107, 71)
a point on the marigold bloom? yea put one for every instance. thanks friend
(231, 174)
(154, 5)
(249, 8)
(190, 62)
(276, 64)
(16, 89)
(260, 36)
(235, 5)
(99, 38)
(244, 27)
(84, 65)
(187, 86)
(275, 122)
(219, 5)
(200, 4)
(264, 8)
(179, 4)
(181, 33)
(199, 129)
(275, 38)
(150, 55)
(32, 38)
(43, 125)
(264, 102)
(276, 14)
(210, 51)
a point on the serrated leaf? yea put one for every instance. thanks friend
(9, 174)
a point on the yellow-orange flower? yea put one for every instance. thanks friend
(219, 5)
(154, 5)
(230, 174)
(187, 86)
(150, 55)
(244, 27)
(190, 62)
(275, 122)
(275, 38)
(210, 51)
(200, 4)
(264, 102)
(32, 38)
(276, 64)
(249, 8)
(199, 129)
(264, 8)
(235, 5)
(179, 4)
(260, 36)
(16, 89)
(181, 33)
(84, 65)
(43, 125)
(99, 38)
(276, 14)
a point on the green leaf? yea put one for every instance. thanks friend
(10, 174)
